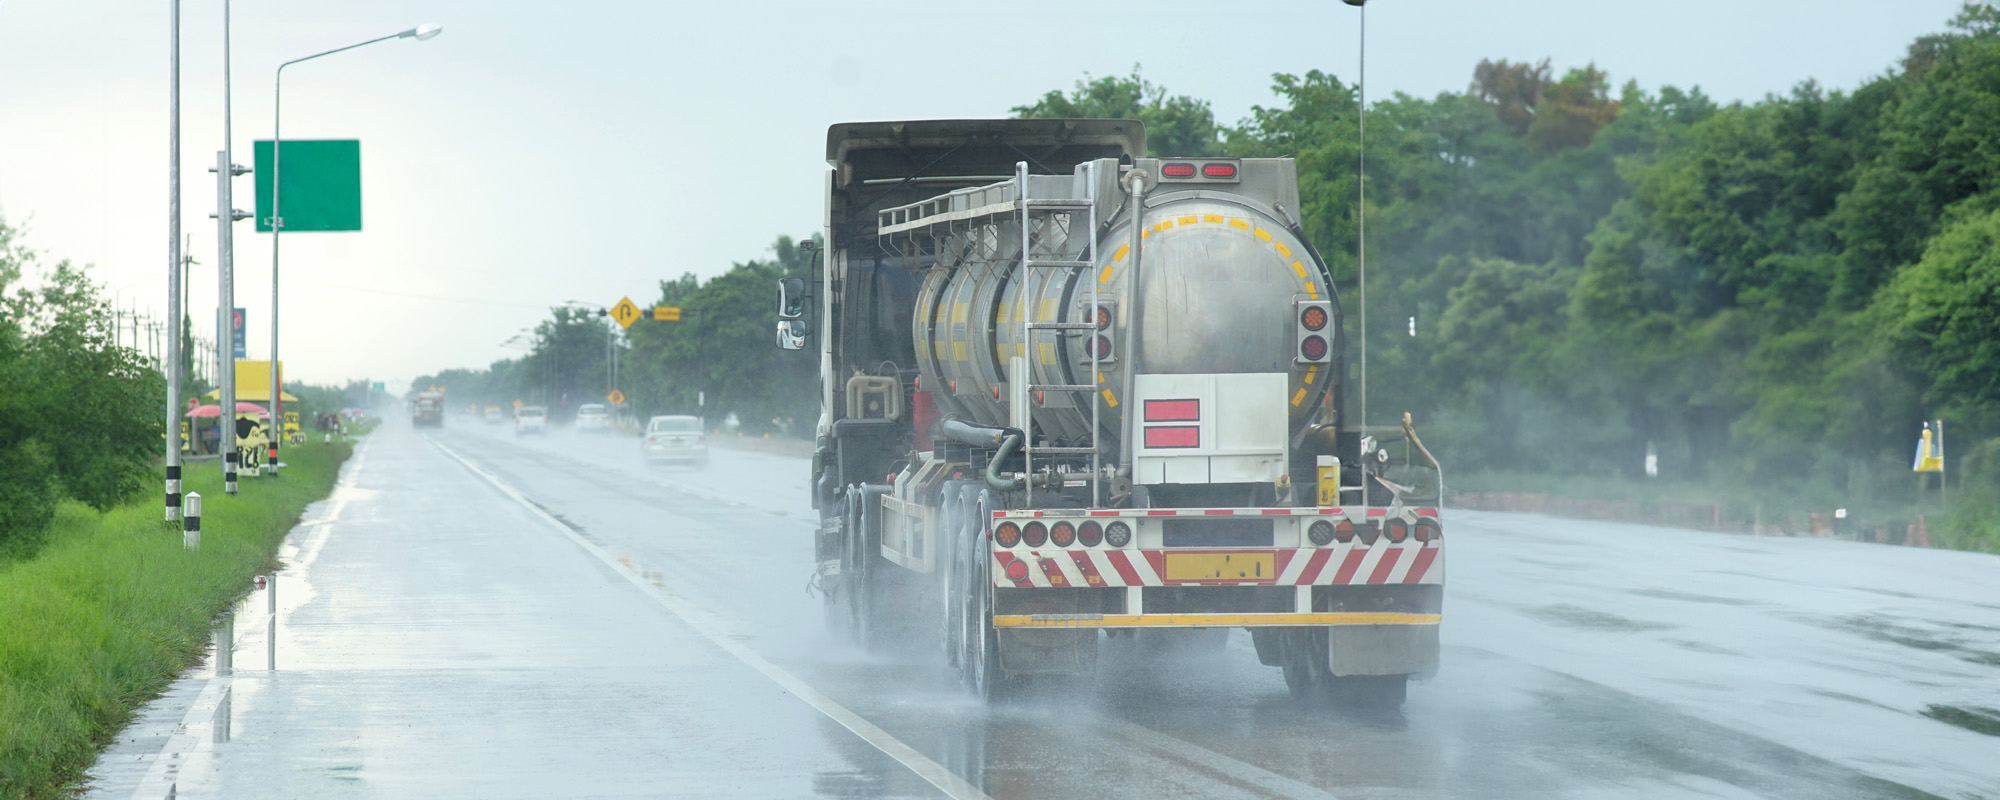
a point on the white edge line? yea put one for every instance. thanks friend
(162, 777)
(944, 779)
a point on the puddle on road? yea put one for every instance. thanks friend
(1669, 594)
(1971, 718)
(1592, 620)
(1882, 628)
(1703, 647)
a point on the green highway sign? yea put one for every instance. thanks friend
(322, 189)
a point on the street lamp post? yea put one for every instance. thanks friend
(173, 485)
(419, 33)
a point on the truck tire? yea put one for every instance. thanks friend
(980, 661)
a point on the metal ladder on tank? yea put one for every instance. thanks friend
(1030, 210)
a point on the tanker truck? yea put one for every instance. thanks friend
(1071, 392)
(427, 410)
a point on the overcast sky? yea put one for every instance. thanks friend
(538, 152)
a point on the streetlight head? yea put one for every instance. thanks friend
(422, 32)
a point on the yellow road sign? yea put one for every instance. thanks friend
(625, 312)
(517, 404)
(616, 397)
(667, 313)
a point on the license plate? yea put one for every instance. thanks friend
(1221, 566)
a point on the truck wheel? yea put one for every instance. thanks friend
(951, 526)
(980, 667)
(1307, 673)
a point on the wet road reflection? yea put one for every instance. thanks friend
(1581, 659)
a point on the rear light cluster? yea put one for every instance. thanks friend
(1314, 321)
(1102, 342)
(1188, 170)
(1118, 533)
(1322, 532)
(1063, 533)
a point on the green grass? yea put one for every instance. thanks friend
(112, 608)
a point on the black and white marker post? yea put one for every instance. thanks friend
(191, 522)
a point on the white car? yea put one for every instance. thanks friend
(531, 419)
(675, 438)
(593, 417)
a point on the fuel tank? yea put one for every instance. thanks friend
(1213, 287)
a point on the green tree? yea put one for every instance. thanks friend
(1176, 125)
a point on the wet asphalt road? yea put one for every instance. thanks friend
(477, 615)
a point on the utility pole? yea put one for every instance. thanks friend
(225, 217)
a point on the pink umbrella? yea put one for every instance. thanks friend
(216, 410)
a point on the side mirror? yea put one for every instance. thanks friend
(792, 334)
(791, 298)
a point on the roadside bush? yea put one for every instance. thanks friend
(79, 415)
(1974, 522)
(27, 497)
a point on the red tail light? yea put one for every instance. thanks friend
(1343, 531)
(1062, 534)
(1177, 170)
(1103, 318)
(1036, 534)
(1428, 529)
(1017, 571)
(1396, 531)
(1313, 348)
(1218, 170)
(1008, 534)
(1103, 346)
(1090, 533)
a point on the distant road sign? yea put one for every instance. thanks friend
(517, 404)
(322, 190)
(667, 313)
(625, 312)
(616, 397)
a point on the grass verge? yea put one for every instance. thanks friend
(112, 609)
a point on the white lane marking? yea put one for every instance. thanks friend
(700, 620)
(1262, 779)
(196, 731)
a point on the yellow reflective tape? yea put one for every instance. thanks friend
(1048, 351)
(1047, 312)
(1109, 399)
(1214, 218)
(1239, 224)
(958, 312)
(1300, 397)
(1120, 254)
(1106, 276)
(1300, 268)
(1263, 234)
(1210, 620)
(1190, 219)
(1312, 372)
(958, 351)
(1145, 233)
(1282, 249)
(1165, 224)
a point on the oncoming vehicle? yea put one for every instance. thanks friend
(675, 438)
(1070, 391)
(592, 417)
(531, 419)
(493, 415)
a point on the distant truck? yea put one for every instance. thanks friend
(427, 410)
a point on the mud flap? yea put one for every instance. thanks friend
(1383, 649)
